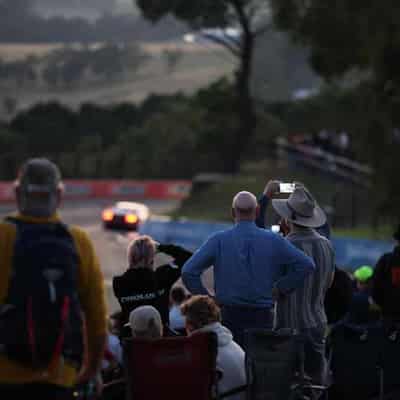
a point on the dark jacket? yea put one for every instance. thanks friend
(339, 296)
(142, 286)
(386, 284)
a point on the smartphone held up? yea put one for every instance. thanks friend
(286, 187)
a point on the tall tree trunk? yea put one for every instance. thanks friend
(245, 105)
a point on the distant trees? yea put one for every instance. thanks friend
(10, 104)
(164, 137)
(68, 66)
(19, 72)
(172, 57)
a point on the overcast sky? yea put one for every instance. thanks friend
(85, 8)
(70, 8)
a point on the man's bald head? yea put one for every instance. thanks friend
(244, 206)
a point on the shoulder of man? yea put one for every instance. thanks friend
(82, 241)
(79, 234)
(268, 233)
(6, 226)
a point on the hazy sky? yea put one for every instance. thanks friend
(71, 8)
(85, 8)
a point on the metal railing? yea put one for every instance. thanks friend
(326, 162)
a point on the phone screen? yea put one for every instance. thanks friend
(275, 228)
(287, 187)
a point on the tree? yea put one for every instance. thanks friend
(52, 74)
(361, 36)
(172, 57)
(10, 104)
(72, 70)
(251, 17)
(346, 34)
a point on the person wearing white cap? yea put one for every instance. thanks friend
(248, 262)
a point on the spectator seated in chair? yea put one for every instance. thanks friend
(176, 319)
(145, 323)
(203, 315)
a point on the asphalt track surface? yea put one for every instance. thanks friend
(110, 245)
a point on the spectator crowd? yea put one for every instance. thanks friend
(263, 280)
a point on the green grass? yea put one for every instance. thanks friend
(365, 232)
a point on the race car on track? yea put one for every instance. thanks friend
(125, 215)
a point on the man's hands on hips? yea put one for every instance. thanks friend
(276, 294)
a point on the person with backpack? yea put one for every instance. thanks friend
(53, 320)
(386, 285)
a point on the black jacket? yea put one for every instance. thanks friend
(339, 296)
(142, 286)
(386, 284)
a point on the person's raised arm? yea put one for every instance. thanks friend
(270, 190)
(297, 266)
(178, 253)
(201, 260)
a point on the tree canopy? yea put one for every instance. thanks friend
(345, 35)
(249, 17)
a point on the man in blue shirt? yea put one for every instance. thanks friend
(252, 266)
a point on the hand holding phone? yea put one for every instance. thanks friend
(276, 228)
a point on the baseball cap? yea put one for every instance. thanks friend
(37, 181)
(363, 273)
(39, 175)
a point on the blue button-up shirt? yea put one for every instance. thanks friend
(248, 262)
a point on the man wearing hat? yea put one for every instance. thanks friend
(304, 309)
(71, 278)
(386, 284)
(248, 262)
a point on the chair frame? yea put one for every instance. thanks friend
(298, 386)
(215, 374)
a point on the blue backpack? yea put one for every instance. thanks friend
(41, 319)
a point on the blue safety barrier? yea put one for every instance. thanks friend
(350, 253)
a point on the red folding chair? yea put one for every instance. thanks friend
(178, 368)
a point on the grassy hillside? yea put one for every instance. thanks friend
(198, 66)
(213, 203)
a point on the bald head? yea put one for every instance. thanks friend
(244, 206)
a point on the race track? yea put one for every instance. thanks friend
(110, 246)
